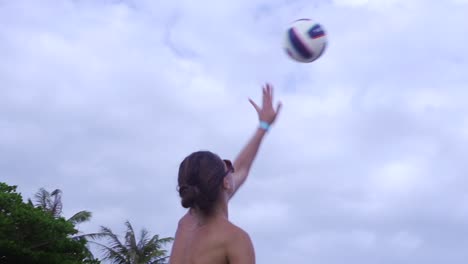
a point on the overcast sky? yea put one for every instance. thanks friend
(366, 163)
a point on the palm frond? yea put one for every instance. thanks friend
(112, 254)
(134, 252)
(88, 254)
(161, 260)
(160, 241)
(55, 206)
(42, 198)
(114, 240)
(80, 217)
(93, 236)
(153, 248)
(130, 239)
(143, 238)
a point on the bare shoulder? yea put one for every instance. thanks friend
(182, 234)
(187, 221)
(234, 230)
(239, 246)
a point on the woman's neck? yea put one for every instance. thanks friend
(220, 212)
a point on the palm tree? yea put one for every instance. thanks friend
(52, 203)
(146, 251)
(49, 202)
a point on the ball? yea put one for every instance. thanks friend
(305, 40)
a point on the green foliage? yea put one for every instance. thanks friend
(29, 234)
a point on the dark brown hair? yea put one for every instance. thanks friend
(200, 179)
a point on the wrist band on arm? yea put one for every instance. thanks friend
(264, 125)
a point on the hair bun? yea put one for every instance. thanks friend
(189, 195)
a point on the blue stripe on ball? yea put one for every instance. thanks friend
(316, 32)
(298, 45)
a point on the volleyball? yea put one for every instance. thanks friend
(305, 40)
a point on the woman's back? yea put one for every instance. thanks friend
(216, 241)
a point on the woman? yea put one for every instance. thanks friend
(205, 184)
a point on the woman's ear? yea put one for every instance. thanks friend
(227, 185)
